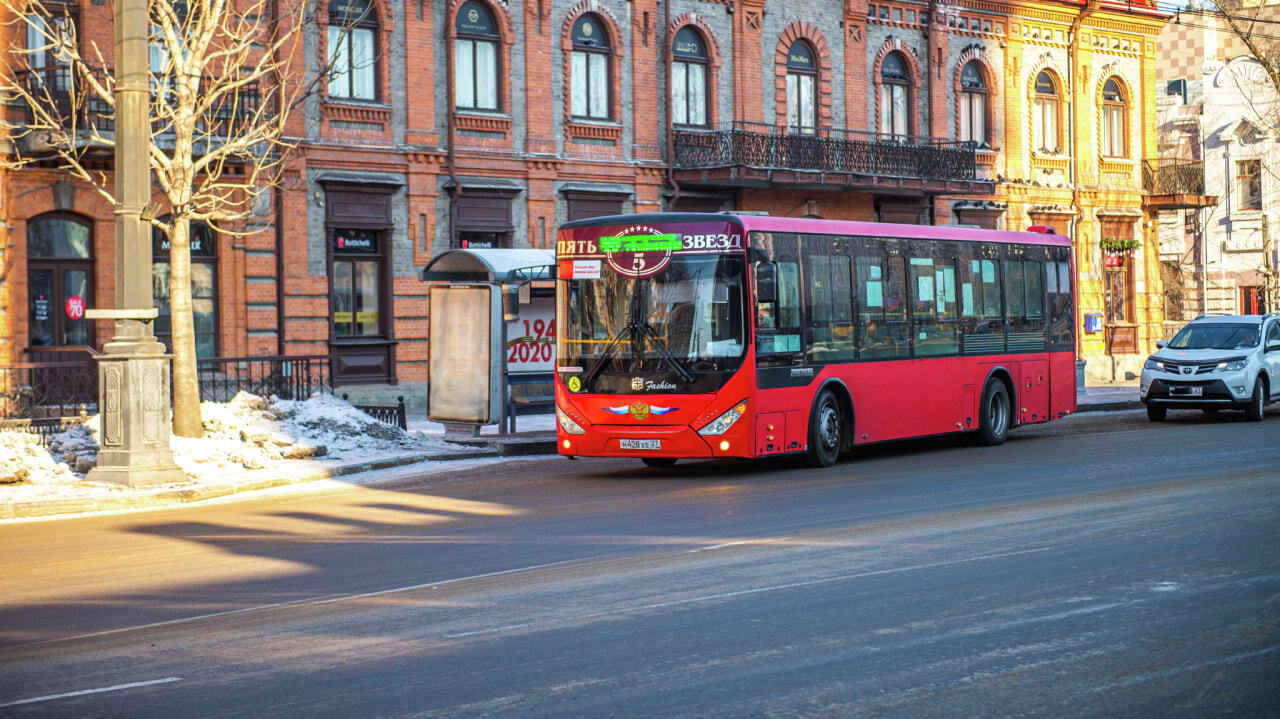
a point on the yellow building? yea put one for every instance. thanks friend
(1079, 89)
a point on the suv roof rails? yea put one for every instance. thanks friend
(1203, 315)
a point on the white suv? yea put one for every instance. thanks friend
(1216, 362)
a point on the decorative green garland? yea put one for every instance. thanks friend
(1117, 247)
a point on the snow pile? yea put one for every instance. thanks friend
(23, 460)
(247, 433)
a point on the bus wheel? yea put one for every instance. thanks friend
(659, 461)
(993, 414)
(824, 432)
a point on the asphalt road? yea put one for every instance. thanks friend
(1096, 566)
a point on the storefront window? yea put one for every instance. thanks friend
(203, 288)
(356, 269)
(59, 280)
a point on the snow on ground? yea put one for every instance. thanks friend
(246, 437)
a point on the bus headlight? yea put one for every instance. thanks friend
(567, 424)
(721, 424)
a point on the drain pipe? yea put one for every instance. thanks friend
(671, 139)
(278, 199)
(1077, 218)
(452, 131)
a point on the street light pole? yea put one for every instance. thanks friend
(133, 372)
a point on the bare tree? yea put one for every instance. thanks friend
(1256, 24)
(225, 75)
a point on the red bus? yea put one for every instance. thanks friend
(688, 335)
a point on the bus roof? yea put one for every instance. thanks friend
(769, 223)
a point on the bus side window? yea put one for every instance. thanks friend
(778, 322)
(830, 309)
(1060, 315)
(933, 288)
(883, 324)
(788, 338)
(982, 320)
(1024, 298)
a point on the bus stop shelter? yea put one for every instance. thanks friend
(492, 337)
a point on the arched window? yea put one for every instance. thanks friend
(895, 89)
(1045, 128)
(973, 105)
(204, 287)
(475, 58)
(689, 78)
(802, 76)
(589, 70)
(353, 32)
(1114, 126)
(59, 279)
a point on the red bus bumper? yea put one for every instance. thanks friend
(674, 441)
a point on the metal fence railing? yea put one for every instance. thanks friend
(824, 149)
(41, 390)
(1173, 177)
(395, 415)
(43, 428)
(294, 377)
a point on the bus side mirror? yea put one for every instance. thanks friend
(766, 282)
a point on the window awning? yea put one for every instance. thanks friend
(490, 265)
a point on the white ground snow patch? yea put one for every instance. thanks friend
(246, 436)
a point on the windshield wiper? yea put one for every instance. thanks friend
(643, 332)
(607, 354)
(665, 354)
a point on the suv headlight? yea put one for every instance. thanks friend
(1235, 366)
(721, 424)
(567, 424)
(1153, 363)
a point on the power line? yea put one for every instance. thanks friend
(1179, 11)
(1228, 31)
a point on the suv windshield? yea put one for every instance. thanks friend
(1216, 336)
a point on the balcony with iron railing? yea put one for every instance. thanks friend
(73, 105)
(746, 154)
(1171, 184)
(68, 98)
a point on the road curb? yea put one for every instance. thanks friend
(172, 497)
(1109, 406)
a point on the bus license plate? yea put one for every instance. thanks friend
(640, 443)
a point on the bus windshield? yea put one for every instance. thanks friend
(650, 308)
(676, 327)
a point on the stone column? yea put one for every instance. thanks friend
(133, 373)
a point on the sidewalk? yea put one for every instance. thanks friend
(535, 436)
(1108, 397)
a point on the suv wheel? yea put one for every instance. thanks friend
(1156, 414)
(1254, 411)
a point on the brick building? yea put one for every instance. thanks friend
(470, 123)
